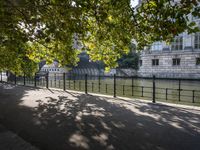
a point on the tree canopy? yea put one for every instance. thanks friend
(35, 30)
(129, 60)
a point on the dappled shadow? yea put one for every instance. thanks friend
(62, 120)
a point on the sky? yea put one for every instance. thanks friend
(134, 3)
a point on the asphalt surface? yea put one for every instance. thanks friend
(58, 120)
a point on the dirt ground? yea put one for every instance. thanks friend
(63, 120)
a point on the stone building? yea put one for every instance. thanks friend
(53, 68)
(180, 59)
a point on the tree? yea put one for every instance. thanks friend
(47, 29)
(129, 60)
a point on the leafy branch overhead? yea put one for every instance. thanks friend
(35, 30)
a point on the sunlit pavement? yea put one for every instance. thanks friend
(58, 120)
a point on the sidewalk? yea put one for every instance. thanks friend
(10, 141)
(60, 120)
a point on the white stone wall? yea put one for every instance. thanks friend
(187, 68)
(51, 69)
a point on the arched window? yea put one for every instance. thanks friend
(156, 46)
(177, 44)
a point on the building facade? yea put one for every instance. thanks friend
(53, 68)
(180, 59)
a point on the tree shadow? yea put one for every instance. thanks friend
(63, 120)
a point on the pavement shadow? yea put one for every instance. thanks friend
(78, 121)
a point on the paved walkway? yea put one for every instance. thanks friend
(10, 141)
(57, 120)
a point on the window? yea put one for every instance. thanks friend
(195, 17)
(157, 46)
(177, 44)
(197, 41)
(176, 61)
(155, 62)
(198, 61)
(140, 62)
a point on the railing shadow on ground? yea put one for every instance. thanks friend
(77, 121)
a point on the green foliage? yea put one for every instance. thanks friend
(129, 60)
(162, 20)
(45, 29)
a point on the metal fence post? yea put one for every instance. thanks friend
(142, 91)
(154, 90)
(123, 89)
(55, 80)
(35, 81)
(86, 84)
(74, 84)
(15, 79)
(79, 85)
(193, 97)
(64, 81)
(1, 76)
(92, 87)
(166, 93)
(114, 86)
(179, 90)
(24, 79)
(132, 84)
(99, 83)
(69, 76)
(47, 80)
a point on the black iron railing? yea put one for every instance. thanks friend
(184, 91)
